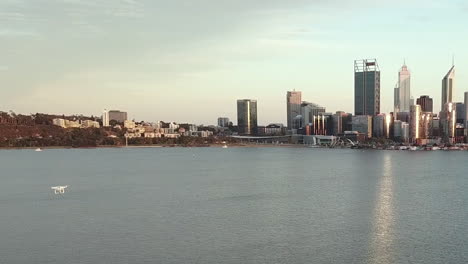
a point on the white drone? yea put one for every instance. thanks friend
(59, 189)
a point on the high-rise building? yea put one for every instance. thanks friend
(340, 122)
(403, 116)
(460, 108)
(405, 128)
(404, 89)
(426, 125)
(378, 126)
(415, 122)
(397, 133)
(117, 115)
(321, 124)
(362, 124)
(223, 121)
(293, 106)
(247, 116)
(448, 118)
(366, 87)
(436, 127)
(396, 99)
(309, 110)
(105, 118)
(448, 83)
(426, 103)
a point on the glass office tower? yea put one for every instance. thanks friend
(293, 105)
(366, 87)
(447, 87)
(247, 116)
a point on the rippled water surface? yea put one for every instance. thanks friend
(235, 205)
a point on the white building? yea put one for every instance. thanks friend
(89, 124)
(404, 88)
(105, 118)
(72, 124)
(59, 122)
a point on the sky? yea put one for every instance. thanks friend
(190, 60)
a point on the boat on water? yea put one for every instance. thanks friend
(38, 149)
(224, 146)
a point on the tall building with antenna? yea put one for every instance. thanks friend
(448, 83)
(366, 87)
(404, 88)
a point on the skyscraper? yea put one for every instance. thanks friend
(309, 110)
(448, 117)
(447, 87)
(426, 103)
(378, 126)
(293, 106)
(460, 108)
(247, 116)
(366, 87)
(426, 125)
(404, 89)
(415, 122)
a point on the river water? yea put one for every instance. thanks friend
(235, 205)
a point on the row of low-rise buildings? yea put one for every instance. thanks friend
(161, 129)
(61, 122)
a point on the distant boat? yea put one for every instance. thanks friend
(224, 146)
(38, 149)
(59, 189)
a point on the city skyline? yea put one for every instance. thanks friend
(149, 56)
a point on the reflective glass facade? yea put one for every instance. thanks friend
(366, 88)
(247, 117)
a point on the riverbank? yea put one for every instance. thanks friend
(237, 145)
(166, 146)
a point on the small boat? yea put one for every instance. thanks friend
(224, 146)
(59, 189)
(38, 149)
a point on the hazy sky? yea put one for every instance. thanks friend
(190, 60)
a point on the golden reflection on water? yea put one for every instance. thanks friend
(382, 233)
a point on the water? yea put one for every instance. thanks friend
(236, 205)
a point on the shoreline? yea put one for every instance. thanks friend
(163, 146)
(237, 145)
